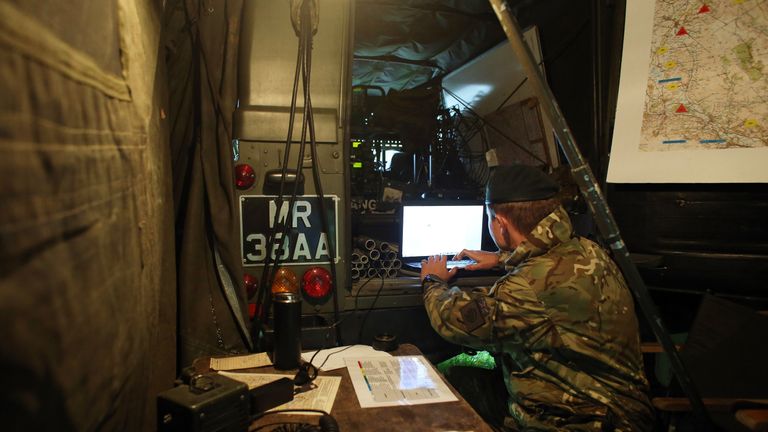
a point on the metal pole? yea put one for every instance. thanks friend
(584, 178)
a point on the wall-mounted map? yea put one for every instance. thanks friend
(693, 99)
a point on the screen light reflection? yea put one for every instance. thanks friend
(414, 375)
(472, 94)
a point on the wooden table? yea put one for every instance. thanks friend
(447, 416)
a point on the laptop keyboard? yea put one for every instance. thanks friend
(450, 264)
(459, 263)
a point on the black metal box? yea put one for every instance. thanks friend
(211, 402)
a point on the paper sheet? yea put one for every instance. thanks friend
(321, 395)
(240, 362)
(333, 358)
(391, 381)
(689, 109)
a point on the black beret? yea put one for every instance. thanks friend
(513, 183)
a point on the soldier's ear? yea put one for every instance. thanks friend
(506, 225)
(502, 221)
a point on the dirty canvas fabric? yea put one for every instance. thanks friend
(201, 46)
(87, 301)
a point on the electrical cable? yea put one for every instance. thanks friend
(365, 316)
(490, 125)
(269, 271)
(308, 371)
(501, 105)
(453, 139)
(309, 119)
(326, 423)
(303, 64)
(312, 359)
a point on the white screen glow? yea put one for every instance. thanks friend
(441, 229)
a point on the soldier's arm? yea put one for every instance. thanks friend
(459, 316)
(482, 319)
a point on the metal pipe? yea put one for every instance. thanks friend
(364, 242)
(374, 254)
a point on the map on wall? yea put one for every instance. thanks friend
(693, 98)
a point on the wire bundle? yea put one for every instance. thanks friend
(304, 22)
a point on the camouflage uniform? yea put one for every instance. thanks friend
(563, 323)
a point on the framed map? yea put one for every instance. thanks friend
(693, 96)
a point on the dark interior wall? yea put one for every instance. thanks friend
(707, 237)
(565, 30)
(87, 282)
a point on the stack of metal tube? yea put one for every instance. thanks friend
(374, 258)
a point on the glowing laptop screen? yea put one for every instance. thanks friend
(440, 229)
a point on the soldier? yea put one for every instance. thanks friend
(561, 321)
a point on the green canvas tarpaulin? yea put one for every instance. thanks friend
(87, 285)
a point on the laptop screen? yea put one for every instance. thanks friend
(441, 228)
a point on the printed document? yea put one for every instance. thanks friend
(391, 381)
(320, 396)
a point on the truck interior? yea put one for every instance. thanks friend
(153, 149)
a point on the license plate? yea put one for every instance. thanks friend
(306, 243)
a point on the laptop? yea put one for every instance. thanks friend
(440, 228)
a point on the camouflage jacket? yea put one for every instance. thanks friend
(562, 322)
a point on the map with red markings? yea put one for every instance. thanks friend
(707, 82)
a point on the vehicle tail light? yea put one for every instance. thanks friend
(245, 176)
(285, 281)
(316, 282)
(251, 283)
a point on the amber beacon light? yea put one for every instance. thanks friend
(316, 282)
(285, 281)
(245, 176)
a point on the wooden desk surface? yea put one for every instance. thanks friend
(447, 416)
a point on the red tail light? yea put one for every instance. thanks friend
(244, 176)
(251, 310)
(251, 283)
(316, 282)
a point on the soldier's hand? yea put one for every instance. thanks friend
(483, 260)
(436, 265)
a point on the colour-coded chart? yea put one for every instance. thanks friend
(391, 381)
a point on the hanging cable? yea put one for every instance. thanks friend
(305, 25)
(496, 129)
(270, 267)
(310, 120)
